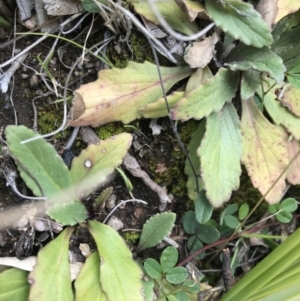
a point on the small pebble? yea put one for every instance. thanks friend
(24, 76)
(34, 80)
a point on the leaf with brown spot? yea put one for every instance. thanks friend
(293, 172)
(265, 155)
(118, 94)
(98, 161)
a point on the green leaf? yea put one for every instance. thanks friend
(51, 278)
(220, 153)
(243, 211)
(14, 285)
(118, 94)
(4, 23)
(208, 97)
(289, 205)
(273, 208)
(105, 194)
(153, 268)
(189, 222)
(294, 79)
(231, 221)
(159, 109)
(120, 276)
(249, 83)
(177, 275)
(97, 161)
(170, 11)
(68, 213)
(203, 209)
(91, 6)
(231, 209)
(265, 155)
(284, 217)
(168, 258)
(243, 57)
(182, 296)
(240, 20)
(192, 151)
(208, 234)
(191, 286)
(155, 229)
(288, 47)
(193, 247)
(43, 171)
(87, 283)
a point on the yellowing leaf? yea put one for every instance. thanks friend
(293, 172)
(120, 276)
(170, 11)
(264, 151)
(51, 278)
(281, 115)
(87, 283)
(290, 98)
(208, 97)
(192, 8)
(220, 153)
(118, 94)
(286, 7)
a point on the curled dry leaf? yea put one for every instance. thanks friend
(201, 53)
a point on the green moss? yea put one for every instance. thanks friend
(110, 129)
(137, 49)
(131, 237)
(49, 119)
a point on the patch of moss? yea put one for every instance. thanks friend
(137, 49)
(131, 237)
(110, 129)
(49, 119)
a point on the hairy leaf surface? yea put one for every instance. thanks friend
(118, 94)
(220, 153)
(264, 151)
(240, 20)
(249, 84)
(208, 97)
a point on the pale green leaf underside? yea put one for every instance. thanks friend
(243, 57)
(208, 97)
(241, 21)
(220, 153)
(51, 278)
(118, 94)
(155, 229)
(120, 276)
(87, 283)
(170, 11)
(69, 213)
(264, 151)
(14, 285)
(195, 160)
(97, 161)
(39, 163)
